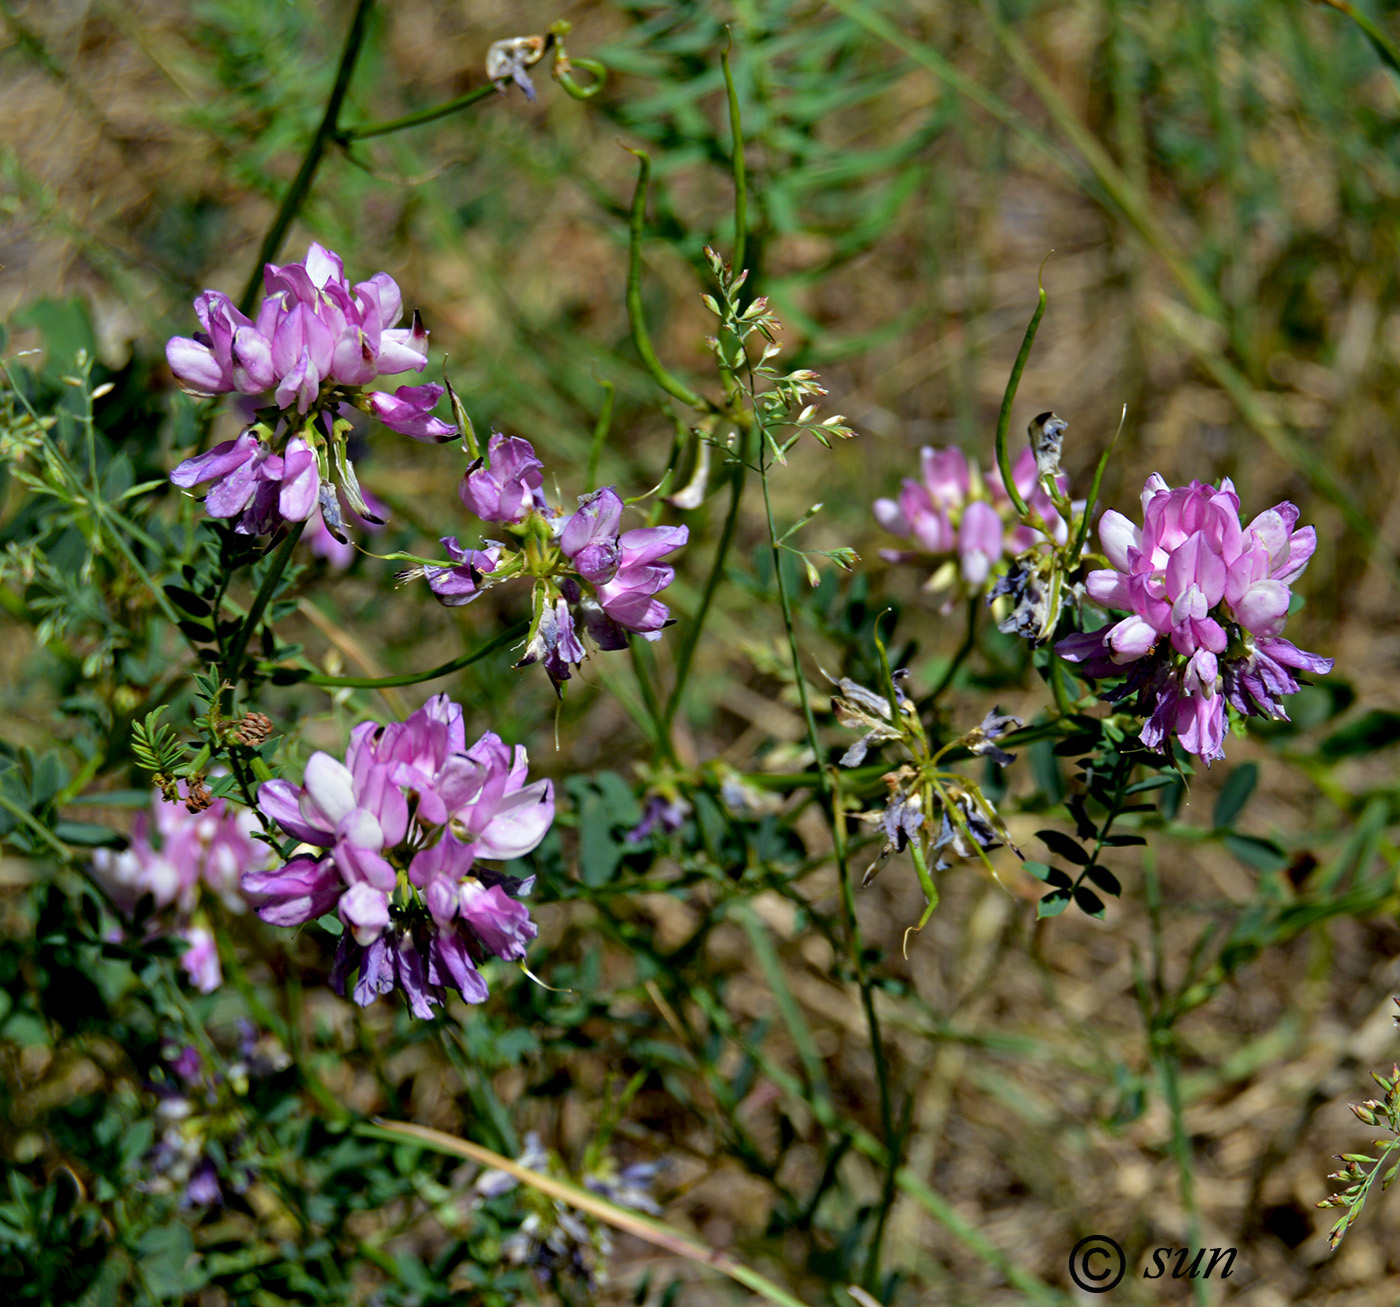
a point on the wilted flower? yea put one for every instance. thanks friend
(315, 346)
(560, 1242)
(506, 61)
(327, 532)
(396, 830)
(174, 854)
(1207, 599)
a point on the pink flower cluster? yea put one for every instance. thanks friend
(1207, 599)
(395, 833)
(174, 855)
(316, 343)
(966, 519)
(590, 578)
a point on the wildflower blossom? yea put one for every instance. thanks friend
(963, 523)
(1206, 599)
(557, 1241)
(173, 856)
(591, 579)
(201, 1149)
(315, 346)
(395, 832)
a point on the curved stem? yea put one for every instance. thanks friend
(345, 135)
(600, 435)
(325, 133)
(517, 632)
(261, 600)
(635, 319)
(736, 131)
(1009, 398)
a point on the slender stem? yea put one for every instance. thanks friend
(347, 134)
(736, 133)
(1181, 1151)
(640, 339)
(261, 600)
(635, 647)
(325, 133)
(697, 623)
(515, 633)
(600, 435)
(1009, 398)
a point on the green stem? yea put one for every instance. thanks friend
(1009, 398)
(736, 134)
(515, 633)
(325, 133)
(645, 683)
(348, 134)
(712, 582)
(600, 436)
(1181, 1151)
(640, 339)
(261, 600)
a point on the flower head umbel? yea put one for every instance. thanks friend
(962, 523)
(395, 834)
(1206, 598)
(591, 578)
(315, 346)
(174, 856)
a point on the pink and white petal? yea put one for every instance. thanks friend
(1263, 608)
(1118, 536)
(278, 800)
(519, 823)
(1130, 639)
(330, 788)
(1108, 589)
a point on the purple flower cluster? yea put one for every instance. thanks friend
(590, 578)
(395, 833)
(316, 343)
(1207, 599)
(173, 855)
(964, 522)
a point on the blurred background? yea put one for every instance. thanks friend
(1220, 186)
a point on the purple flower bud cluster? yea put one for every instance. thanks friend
(1206, 600)
(396, 831)
(173, 856)
(964, 522)
(590, 577)
(316, 343)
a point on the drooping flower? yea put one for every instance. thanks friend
(1206, 599)
(316, 345)
(173, 857)
(396, 831)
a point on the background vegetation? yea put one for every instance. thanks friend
(1220, 184)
